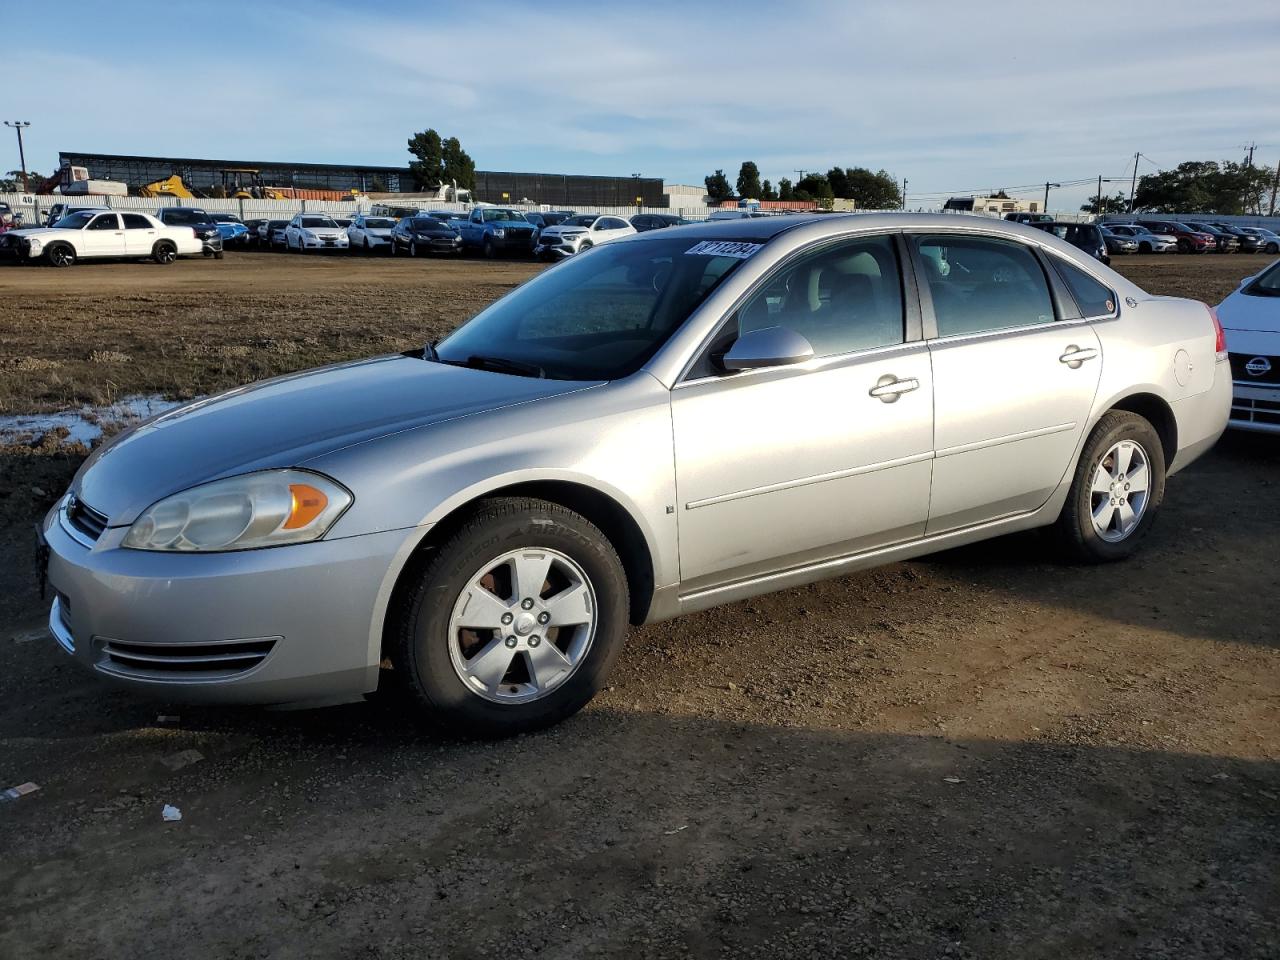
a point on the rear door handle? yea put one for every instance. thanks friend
(1074, 356)
(888, 388)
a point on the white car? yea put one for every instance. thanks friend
(314, 231)
(1147, 241)
(91, 234)
(370, 234)
(579, 233)
(1251, 319)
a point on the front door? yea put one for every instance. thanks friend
(1013, 383)
(103, 236)
(790, 465)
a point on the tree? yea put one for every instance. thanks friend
(428, 168)
(767, 192)
(1117, 204)
(839, 181)
(11, 182)
(718, 186)
(814, 186)
(872, 191)
(1203, 186)
(458, 165)
(749, 180)
(785, 190)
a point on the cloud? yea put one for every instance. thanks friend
(950, 95)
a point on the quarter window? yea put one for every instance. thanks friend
(840, 299)
(979, 284)
(1093, 299)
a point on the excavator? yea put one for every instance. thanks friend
(169, 187)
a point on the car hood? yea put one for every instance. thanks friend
(1243, 312)
(44, 233)
(287, 421)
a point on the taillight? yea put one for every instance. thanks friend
(1219, 335)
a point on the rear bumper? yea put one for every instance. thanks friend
(1202, 419)
(284, 625)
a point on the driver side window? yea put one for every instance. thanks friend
(841, 299)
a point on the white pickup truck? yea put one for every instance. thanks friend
(87, 234)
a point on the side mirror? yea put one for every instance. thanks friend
(770, 347)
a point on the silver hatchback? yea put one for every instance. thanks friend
(668, 422)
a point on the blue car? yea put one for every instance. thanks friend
(234, 232)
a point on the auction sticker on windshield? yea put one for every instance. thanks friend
(724, 248)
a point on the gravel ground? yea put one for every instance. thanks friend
(981, 754)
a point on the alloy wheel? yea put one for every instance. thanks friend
(522, 625)
(1120, 489)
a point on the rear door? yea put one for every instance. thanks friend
(1015, 370)
(140, 235)
(792, 465)
(103, 237)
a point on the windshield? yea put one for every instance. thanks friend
(1267, 283)
(581, 220)
(594, 317)
(75, 221)
(489, 216)
(182, 217)
(379, 223)
(226, 218)
(317, 222)
(425, 223)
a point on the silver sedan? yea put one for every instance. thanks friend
(668, 422)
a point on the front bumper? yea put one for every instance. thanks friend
(1255, 408)
(212, 244)
(557, 249)
(320, 243)
(290, 624)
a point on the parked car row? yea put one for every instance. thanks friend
(1192, 236)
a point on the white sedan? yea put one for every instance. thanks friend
(90, 234)
(581, 233)
(370, 234)
(1251, 318)
(314, 231)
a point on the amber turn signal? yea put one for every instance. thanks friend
(308, 503)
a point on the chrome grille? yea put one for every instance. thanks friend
(85, 519)
(181, 661)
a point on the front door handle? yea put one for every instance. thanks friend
(888, 388)
(1074, 356)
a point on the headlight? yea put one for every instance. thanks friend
(499, 233)
(308, 235)
(266, 509)
(33, 245)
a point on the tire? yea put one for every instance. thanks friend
(60, 255)
(395, 249)
(367, 248)
(1144, 248)
(413, 249)
(1273, 248)
(164, 252)
(429, 649)
(218, 254)
(1184, 246)
(490, 251)
(585, 245)
(1076, 530)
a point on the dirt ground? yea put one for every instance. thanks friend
(980, 754)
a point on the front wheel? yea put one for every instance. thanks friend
(413, 249)
(1116, 491)
(217, 254)
(490, 251)
(60, 255)
(516, 620)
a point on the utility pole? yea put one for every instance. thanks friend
(1101, 207)
(1046, 194)
(1275, 187)
(1248, 161)
(904, 193)
(20, 125)
(1133, 184)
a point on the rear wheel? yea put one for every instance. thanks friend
(1116, 491)
(164, 252)
(516, 620)
(60, 255)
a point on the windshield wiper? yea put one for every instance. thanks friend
(503, 365)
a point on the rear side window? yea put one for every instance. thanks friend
(979, 284)
(135, 221)
(1093, 299)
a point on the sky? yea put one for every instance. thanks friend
(956, 97)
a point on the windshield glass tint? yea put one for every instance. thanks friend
(1267, 283)
(596, 317)
(318, 222)
(491, 215)
(581, 220)
(75, 221)
(379, 223)
(425, 223)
